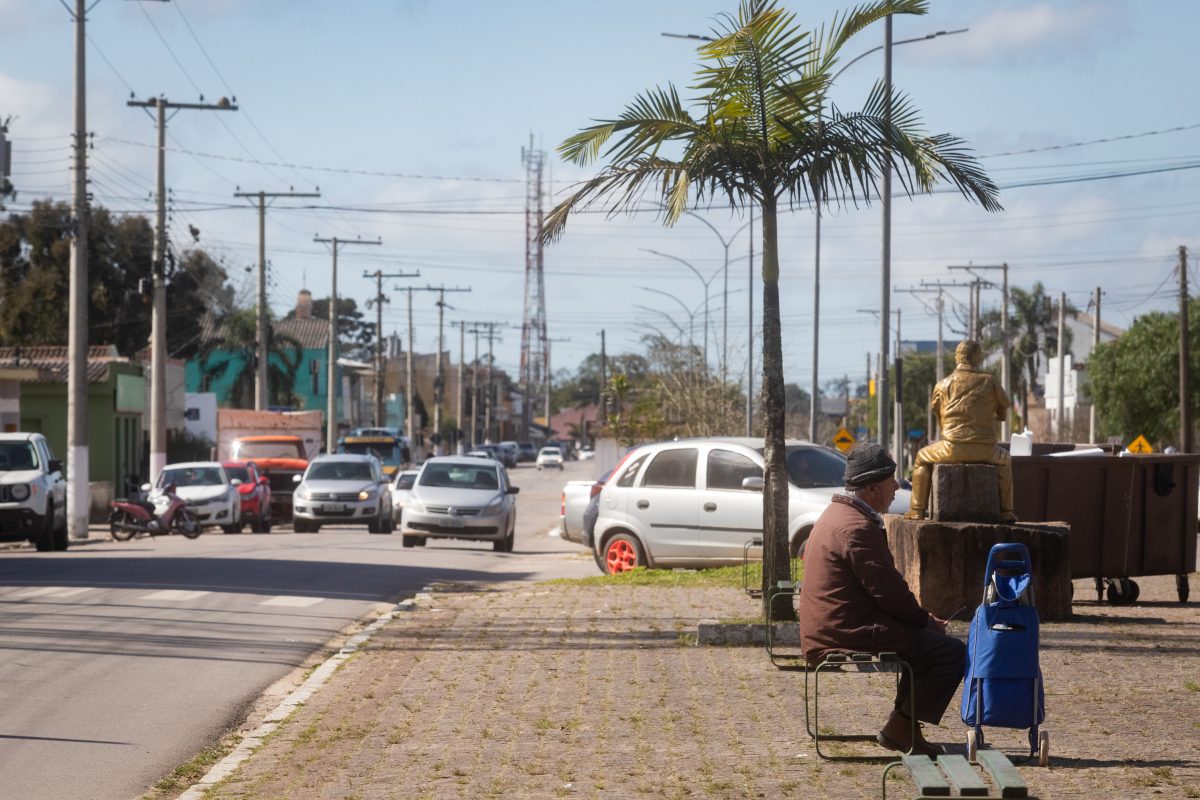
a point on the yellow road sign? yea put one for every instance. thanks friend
(1140, 445)
(843, 440)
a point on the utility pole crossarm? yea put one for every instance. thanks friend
(380, 367)
(1005, 355)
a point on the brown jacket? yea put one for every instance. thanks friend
(968, 403)
(854, 599)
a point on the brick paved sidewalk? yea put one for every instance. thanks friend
(528, 691)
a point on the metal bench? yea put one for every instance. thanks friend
(953, 776)
(750, 544)
(788, 590)
(845, 663)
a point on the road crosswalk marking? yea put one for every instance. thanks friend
(173, 594)
(292, 601)
(54, 591)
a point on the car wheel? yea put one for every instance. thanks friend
(61, 541)
(264, 525)
(505, 545)
(622, 553)
(798, 544)
(232, 528)
(44, 541)
(301, 526)
(408, 541)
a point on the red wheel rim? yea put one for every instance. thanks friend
(620, 556)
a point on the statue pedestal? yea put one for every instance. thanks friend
(943, 562)
(964, 493)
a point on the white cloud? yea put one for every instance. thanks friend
(1040, 32)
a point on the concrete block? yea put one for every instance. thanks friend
(964, 493)
(943, 562)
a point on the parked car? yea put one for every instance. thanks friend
(485, 451)
(343, 489)
(401, 490)
(461, 497)
(549, 456)
(212, 499)
(33, 494)
(586, 454)
(580, 508)
(696, 502)
(526, 452)
(254, 489)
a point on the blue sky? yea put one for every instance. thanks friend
(399, 109)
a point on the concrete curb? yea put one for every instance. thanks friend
(298, 697)
(712, 632)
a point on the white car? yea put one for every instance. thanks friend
(211, 497)
(698, 502)
(33, 494)
(401, 490)
(461, 497)
(343, 489)
(549, 457)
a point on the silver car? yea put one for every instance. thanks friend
(401, 489)
(211, 497)
(461, 497)
(343, 489)
(698, 502)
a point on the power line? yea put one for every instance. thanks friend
(1107, 140)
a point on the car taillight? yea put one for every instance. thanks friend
(562, 504)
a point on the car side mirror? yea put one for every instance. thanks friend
(263, 480)
(236, 482)
(513, 490)
(296, 479)
(754, 484)
(145, 487)
(55, 465)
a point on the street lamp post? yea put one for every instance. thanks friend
(703, 282)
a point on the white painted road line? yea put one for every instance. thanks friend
(172, 594)
(292, 601)
(53, 591)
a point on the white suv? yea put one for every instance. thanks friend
(697, 502)
(33, 494)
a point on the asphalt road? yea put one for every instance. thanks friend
(120, 661)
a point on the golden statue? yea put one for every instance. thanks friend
(968, 402)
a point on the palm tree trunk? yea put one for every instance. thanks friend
(776, 561)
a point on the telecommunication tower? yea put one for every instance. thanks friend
(534, 347)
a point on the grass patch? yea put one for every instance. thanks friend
(1191, 686)
(717, 577)
(185, 775)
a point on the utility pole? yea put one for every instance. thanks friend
(158, 326)
(440, 379)
(603, 382)
(1095, 344)
(489, 390)
(475, 391)
(380, 365)
(331, 419)
(885, 301)
(1185, 408)
(462, 357)
(549, 378)
(898, 427)
(408, 377)
(1005, 349)
(262, 394)
(77, 327)
(1062, 366)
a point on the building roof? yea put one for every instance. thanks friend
(51, 361)
(310, 333)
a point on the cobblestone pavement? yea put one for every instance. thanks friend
(573, 691)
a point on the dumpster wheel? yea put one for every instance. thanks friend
(1123, 591)
(1181, 586)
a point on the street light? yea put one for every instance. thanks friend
(704, 282)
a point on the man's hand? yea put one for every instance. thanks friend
(937, 623)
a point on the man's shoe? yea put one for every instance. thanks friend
(921, 748)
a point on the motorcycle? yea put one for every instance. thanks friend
(134, 515)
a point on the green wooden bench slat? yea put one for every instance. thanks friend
(1003, 773)
(926, 776)
(963, 776)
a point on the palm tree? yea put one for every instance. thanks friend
(237, 335)
(760, 136)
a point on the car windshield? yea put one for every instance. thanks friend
(551, 451)
(459, 476)
(250, 450)
(405, 481)
(339, 471)
(814, 467)
(238, 473)
(191, 476)
(17, 455)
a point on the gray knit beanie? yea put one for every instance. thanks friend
(867, 464)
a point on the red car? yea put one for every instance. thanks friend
(255, 491)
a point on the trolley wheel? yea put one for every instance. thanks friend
(1181, 586)
(1122, 591)
(1135, 591)
(1043, 753)
(972, 746)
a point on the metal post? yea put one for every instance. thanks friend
(408, 378)
(885, 304)
(1005, 356)
(814, 401)
(77, 326)
(1185, 405)
(1062, 367)
(462, 355)
(475, 392)
(1095, 344)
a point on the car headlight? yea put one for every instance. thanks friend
(19, 492)
(413, 504)
(493, 508)
(367, 494)
(303, 493)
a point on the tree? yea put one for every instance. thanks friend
(582, 388)
(1135, 379)
(237, 335)
(762, 136)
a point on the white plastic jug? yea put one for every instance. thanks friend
(1021, 444)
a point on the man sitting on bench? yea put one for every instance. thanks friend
(855, 600)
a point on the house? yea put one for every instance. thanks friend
(117, 413)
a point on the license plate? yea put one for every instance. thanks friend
(333, 507)
(451, 522)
